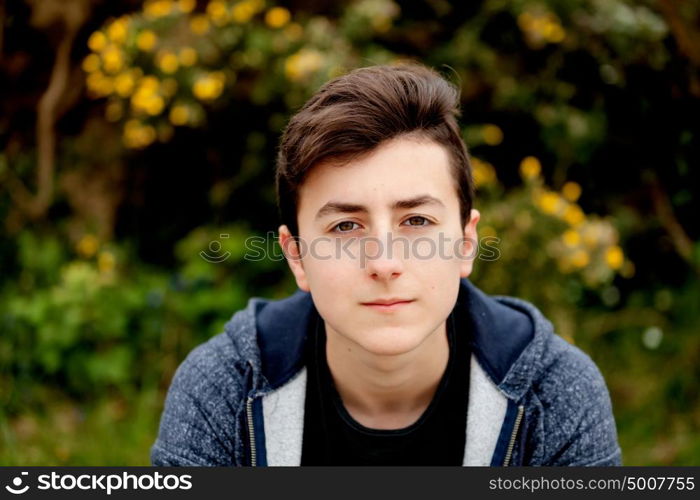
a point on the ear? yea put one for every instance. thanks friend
(290, 247)
(470, 247)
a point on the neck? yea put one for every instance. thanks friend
(387, 391)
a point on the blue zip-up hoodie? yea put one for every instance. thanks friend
(534, 399)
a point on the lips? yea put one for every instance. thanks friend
(388, 305)
(386, 302)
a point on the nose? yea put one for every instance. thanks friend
(382, 260)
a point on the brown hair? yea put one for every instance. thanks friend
(353, 114)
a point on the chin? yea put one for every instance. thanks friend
(391, 343)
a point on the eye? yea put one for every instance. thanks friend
(417, 220)
(344, 227)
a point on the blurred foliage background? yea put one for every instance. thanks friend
(136, 135)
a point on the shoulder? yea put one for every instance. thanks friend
(218, 365)
(560, 374)
(578, 422)
(215, 368)
(199, 421)
(570, 413)
(569, 376)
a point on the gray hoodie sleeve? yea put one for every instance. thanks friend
(197, 426)
(578, 423)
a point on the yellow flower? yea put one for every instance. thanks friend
(139, 100)
(99, 84)
(146, 40)
(482, 172)
(218, 12)
(492, 134)
(179, 114)
(277, 17)
(243, 11)
(106, 262)
(146, 98)
(302, 64)
(114, 111)
(199, 24)
(157, 8)
(124, 84)
(92, 81)
(97, 41)
(553, 32)
(580, 259)
(168, 62)
(571, 238)
(112, 59)
(188, 56)
(541, 28)
(186, 6)
(614, 257)
(150, 82)
(117, 30)
(571, 191)
(209, 87)
(573, 215)
(91, 63)
(549, 202)
(154, 105)
(138, 135)
(87, 246)
(530, 168)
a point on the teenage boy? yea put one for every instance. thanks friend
(387, 355)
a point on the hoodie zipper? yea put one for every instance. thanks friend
(511, 443)
(251, 432)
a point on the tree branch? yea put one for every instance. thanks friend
(688, 39)
(72, 15)
(664, 211)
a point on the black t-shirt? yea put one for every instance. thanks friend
(333, 437)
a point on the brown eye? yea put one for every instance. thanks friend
(344, 227)
(417, 221)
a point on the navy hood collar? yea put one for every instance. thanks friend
(499, 332)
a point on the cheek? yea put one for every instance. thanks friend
(329, 276)
(441, 288)
(439, 277)
(332, 287)
(436, 259)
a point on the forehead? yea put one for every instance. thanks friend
(400, 169)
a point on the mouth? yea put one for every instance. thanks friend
(388, 305)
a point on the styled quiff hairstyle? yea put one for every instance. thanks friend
(353, 114)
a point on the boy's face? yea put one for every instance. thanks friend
(350, 218)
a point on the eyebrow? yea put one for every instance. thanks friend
(337, 207)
